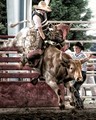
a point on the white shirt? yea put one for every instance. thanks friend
(37, 21)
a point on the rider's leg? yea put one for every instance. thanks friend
(33, 56)
(36, 54)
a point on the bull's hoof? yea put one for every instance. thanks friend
(79, 107)
(34, 81)
(62, 107)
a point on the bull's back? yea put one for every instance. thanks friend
(51, 51)
(52, 59)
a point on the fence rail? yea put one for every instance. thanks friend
(75, 22)
(82, 41)
(67, 41)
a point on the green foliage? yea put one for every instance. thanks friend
(3, 17)
(2, 29)
(69, 10)
(72, 10)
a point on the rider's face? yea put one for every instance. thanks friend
(42, 11)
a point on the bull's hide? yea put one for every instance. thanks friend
(58, 65)
(54, 64)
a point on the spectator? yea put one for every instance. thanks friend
(80, 55)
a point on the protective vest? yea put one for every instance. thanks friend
(44, 21)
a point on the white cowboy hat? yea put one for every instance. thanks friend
(42, 6)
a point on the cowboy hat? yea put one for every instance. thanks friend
(42, 6)
(78, 44)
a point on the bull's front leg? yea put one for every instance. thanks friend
(71, 89)
(75, 97)
(51, 81)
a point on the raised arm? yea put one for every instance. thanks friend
(86, 59)
(47, 2)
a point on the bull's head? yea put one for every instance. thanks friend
(64, 28)
(74, 69)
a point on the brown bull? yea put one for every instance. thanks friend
(59, 67)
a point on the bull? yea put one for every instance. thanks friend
(57, 67)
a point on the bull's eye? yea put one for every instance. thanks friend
(71, 68)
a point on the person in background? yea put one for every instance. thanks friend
(80, 55)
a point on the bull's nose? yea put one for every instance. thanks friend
(80, 79)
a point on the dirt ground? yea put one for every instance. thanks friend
(47, 114)
(52, 113)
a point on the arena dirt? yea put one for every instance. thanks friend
(47, 114)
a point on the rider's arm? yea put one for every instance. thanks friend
(41, 32)
(38, 26)
(47, 2)
(86, 59)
